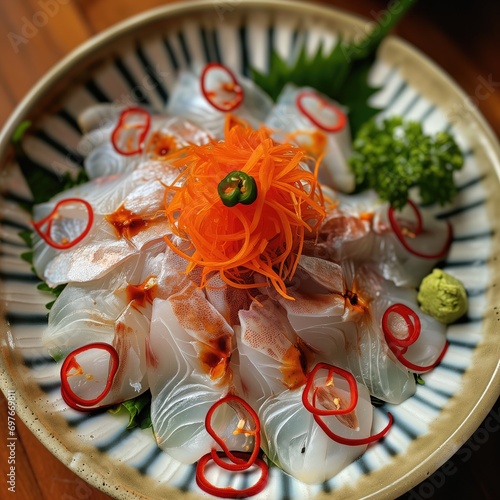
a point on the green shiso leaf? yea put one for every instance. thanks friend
(138, 409)
(341, 74)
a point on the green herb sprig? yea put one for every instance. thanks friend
(393, 156)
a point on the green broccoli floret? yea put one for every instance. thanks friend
(393, 156)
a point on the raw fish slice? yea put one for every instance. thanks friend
(293, 440)
(166, 135)
(320, 295)
(272, 356)
(373, 364)
(227, 300)
(273, 366)
(392, 307)
(191, 345)
(98, 116)
(115, 311)
(328, 342)
(87, 312)
(370, 357)
(406, 259)
(347, 230)
(363, 229)
(126, 221)
(101, 158)
(293, 116)
(98, 193)
(187, 100)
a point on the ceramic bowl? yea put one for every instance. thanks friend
(137, 61)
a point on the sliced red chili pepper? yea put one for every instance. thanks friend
(229, 492)
(312, 105)
(220, 87)
(399, 231)
(44, 226)
(419, 368)
(130, 132)
(351, 441)
(70, 363)
(399, 346)
(353, 387)
(412, 321)
(239, 465)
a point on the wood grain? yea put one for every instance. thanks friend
(462, 37)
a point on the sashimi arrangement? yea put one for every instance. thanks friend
(251, 271)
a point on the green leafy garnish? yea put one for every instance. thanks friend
(341, 74)
(418, 379)
(393, 156)
(376, 401)
(138, 409)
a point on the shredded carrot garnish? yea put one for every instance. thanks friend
(265, 237)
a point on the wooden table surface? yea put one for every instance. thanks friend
(463, 37)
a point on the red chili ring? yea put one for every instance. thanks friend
(121, 122)
(49, 220)
(238, 464)
(229, 492)
(419, 368)
(342, 119)
(239, 95)
(401, 237)
(69, 397)
(414, 329)
(331, 369)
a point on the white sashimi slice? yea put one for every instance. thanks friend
(166, 135)
(187, 100)
(295, 442)
(372, 363)
(97, 193)
(270, 350)
(392, 308)
(97, 116)
(404, 246)
(227, 300)
(304, 115)
(347, 230)
(410, 242)
(273, 365)
(126, 220)
(115, 311)
(191, 344)
(319, 293)
(370, 357)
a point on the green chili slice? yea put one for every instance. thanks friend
(237, 187)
